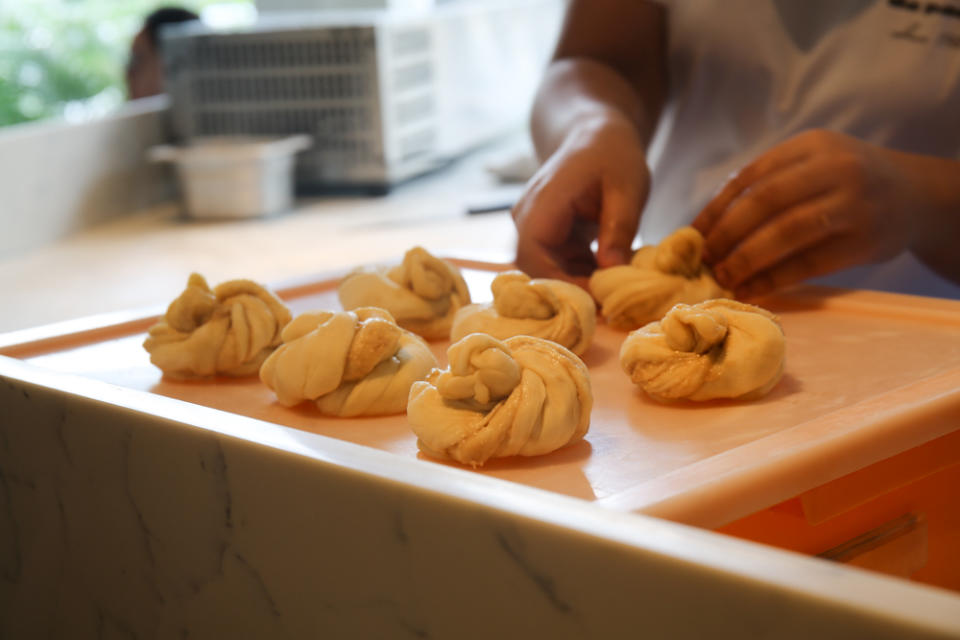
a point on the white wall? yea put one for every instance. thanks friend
(57, 178)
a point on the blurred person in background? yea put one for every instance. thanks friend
(802, 138)
(145, 68)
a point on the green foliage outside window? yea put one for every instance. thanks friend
(67, 57)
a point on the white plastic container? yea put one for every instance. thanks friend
(234, 176)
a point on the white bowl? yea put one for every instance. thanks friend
(234, 176)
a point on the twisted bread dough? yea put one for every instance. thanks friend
(523, 396)
(349, 363)
(229, 330)
(423, 292)
(657, 278)
(715, 349)
(550, 309)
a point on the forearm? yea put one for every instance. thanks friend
(609, 64)
(936, 233)
(576, 92)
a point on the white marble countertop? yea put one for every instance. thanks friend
(143, 259)
(160, 525)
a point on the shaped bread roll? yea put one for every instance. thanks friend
(715, 349)
(523, 396)
(348, 363)
(228, 330)
(550, 309)
(422, 293)
(657, 278)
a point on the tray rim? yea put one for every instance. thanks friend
(921, 309)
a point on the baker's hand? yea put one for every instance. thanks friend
(592, 187)
(812, 205)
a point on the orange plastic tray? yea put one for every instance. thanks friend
(868, 375)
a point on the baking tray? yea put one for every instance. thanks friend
(868, 375)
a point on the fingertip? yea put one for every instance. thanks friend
(538, 261)
(619, 221)
(711, 212)
(612, 256)
(711, 253)
(581, 281)
(721, 273)
(750, 291)
(528, 257)
(757, 287)
(700, 223)
(716, 249)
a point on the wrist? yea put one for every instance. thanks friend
(580, 96)
(600, 125)
(936, 183)
(936, 210)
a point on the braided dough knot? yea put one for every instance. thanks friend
(348, 363)
(542, 307)
(521, 396)
(229, 330)
(715, 349)
(657, 278)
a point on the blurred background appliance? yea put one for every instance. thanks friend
(386, 94)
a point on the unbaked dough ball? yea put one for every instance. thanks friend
(228, 330)
(348, 363)
(422, 293)
(715, 349)
(522, 396)
(550, 309)
(657, 278)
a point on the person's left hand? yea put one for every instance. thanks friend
(814, 204)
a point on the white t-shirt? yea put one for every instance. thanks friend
(748, 74)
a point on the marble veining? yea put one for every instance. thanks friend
(544, 582)
(117, 524)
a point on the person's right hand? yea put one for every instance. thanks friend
(592, 187)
